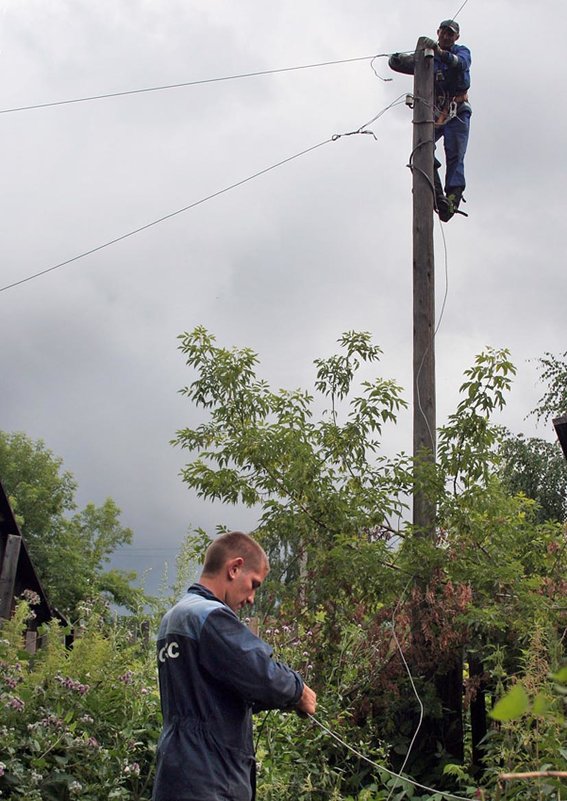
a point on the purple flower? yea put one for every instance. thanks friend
(92, 742)
(72, 684)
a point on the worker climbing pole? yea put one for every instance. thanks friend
(452, 111)
(436, 106)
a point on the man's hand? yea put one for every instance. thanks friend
(430, 44)
(308, 701)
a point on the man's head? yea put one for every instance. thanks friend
(448, 33)
(235, 566)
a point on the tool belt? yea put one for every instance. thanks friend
(447, 107)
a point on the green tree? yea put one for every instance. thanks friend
(332, 515)
(322, 487)
(553, 372)
(70, 549)
(537, 469)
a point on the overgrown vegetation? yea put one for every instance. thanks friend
(384, 621)
(79, 723)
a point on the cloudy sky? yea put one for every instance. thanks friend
(282, 264)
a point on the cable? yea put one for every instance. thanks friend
(333, 138)
(381, 767)
(187, 83)
(408, 671)
(460, 9)
(162, 219)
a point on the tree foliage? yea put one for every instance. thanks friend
(70, 549)
(332, 510)
(322, 486)
(538, 469)
(553, 372)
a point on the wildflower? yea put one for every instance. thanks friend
(31, 597)
(144, 691)
(86, 719)
(49, 721)
(72, 684)
(2, 768)
(75, 788)
(127, 678)
(15, 703)
(132, 770)
(36, 777)
(92, 742)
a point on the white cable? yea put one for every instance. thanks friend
(419, 701)
(386, 770)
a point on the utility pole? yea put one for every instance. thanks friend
(424, 425)
(449, 684)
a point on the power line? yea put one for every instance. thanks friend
(460, 9)
(161, 219)
(362, 130)
(188, 83)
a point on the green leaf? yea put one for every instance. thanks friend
(512, 705)
(541, 704)
(561, 675)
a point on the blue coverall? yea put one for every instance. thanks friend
(453, 82)
(213, 674)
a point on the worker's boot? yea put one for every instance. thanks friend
(441, 202)
(454, 197)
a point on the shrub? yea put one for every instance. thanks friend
(79, 723)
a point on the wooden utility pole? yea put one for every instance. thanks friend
(424, 434)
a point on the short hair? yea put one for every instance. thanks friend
(230, 545)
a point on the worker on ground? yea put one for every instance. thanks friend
(452, 111)
(213, 674)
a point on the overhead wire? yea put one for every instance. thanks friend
(460, 9)
(162, 219)
(182, 84)
(333, 138)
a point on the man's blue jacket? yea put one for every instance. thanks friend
(213, 673)
(453, 79)
(450, 79)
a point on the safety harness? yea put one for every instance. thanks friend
(448, 106)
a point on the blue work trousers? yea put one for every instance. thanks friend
(455, 135)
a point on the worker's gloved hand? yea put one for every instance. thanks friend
(429, 44)
(449, 58)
